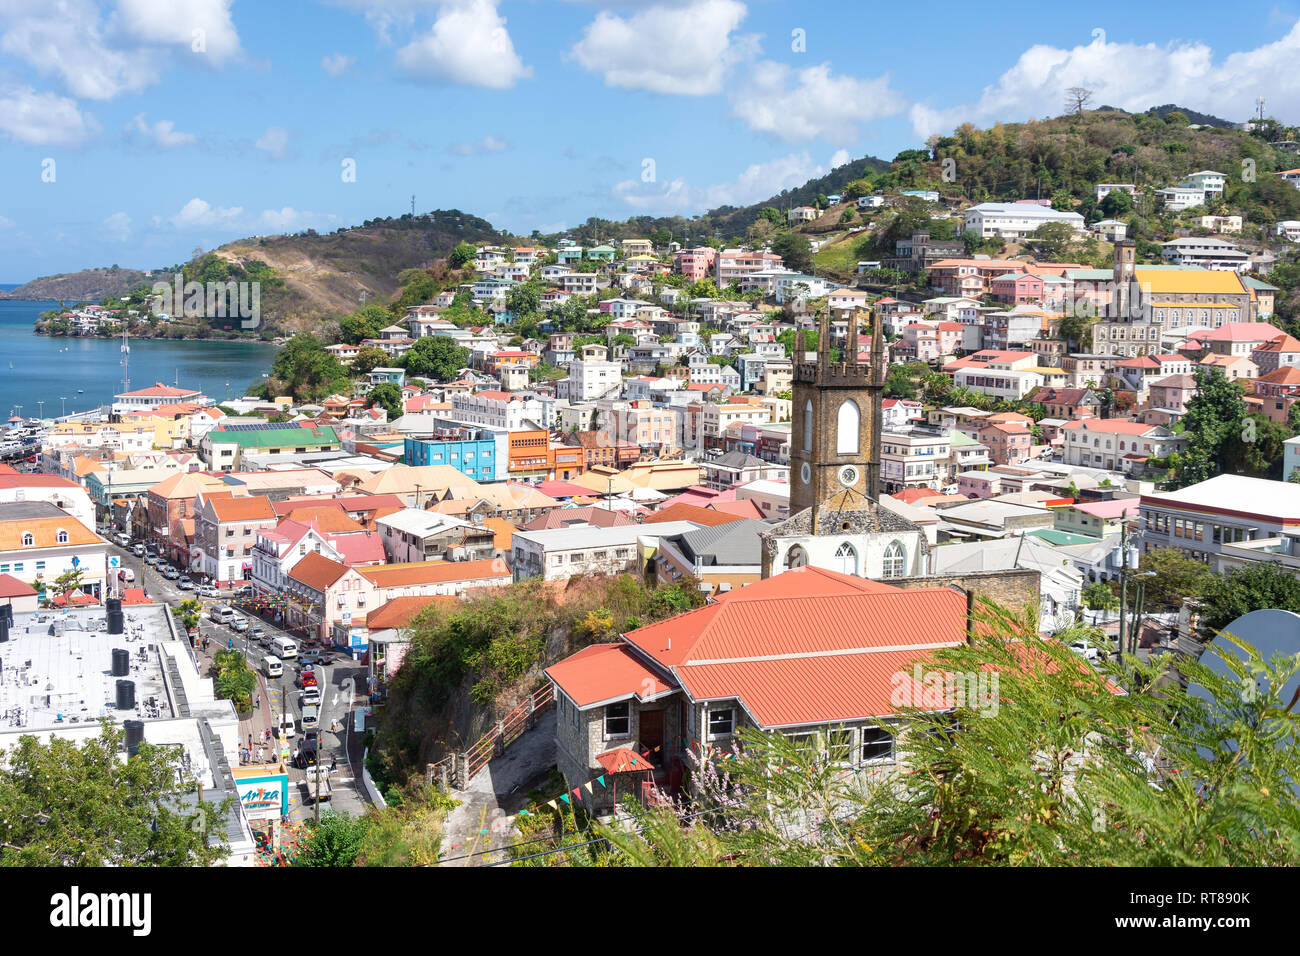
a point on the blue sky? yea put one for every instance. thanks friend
(167, 125)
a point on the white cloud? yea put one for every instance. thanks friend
(468, 45)
(812, 103)
(97, 56)
(488, 144)
(43, 119)
(162, 134)
(6, 223)
(117, 227)
(274, 142)
(203, 28)
(840, 157)
(198, 212)
(756, 182)
(289, 219)
(686, 50)
(1133, 77)
(336, 64)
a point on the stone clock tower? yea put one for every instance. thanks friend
(835, 433)
(835, 519)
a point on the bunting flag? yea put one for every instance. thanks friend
(577, 792)
(564, 797)
(524, 813)
(601, 779)
(553, 805)
(587, 787)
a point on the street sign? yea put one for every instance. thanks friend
(76, 562)
(113, 561)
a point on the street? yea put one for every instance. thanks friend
(341, 684)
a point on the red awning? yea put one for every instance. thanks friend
(624, 760)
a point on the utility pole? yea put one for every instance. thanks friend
(412, 205)
(1123, 588)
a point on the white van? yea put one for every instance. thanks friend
(288, 727)
(272, 665)
(221, 613)
(310, 717)
(284, 647)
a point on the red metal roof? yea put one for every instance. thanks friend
(605, 672)
(623, 760)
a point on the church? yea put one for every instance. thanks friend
(835, 519)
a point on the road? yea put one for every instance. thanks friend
(341, 681)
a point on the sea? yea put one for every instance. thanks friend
(47, 376)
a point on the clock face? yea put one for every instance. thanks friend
(806, 472)
(848, 476)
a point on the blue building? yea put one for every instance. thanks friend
(471, 451)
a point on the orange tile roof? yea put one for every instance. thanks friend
(684, 512)
(433, 572)
(624, 760)
(317, 571)
(326, 518)
(249, 508)
(400, 611)
(45, 532)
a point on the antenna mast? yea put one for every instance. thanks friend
(126, 362)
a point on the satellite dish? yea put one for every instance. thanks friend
(1270, 631)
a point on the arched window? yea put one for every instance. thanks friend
(28, 539)
(807, 426)
(796, 557)
(895, 563)
(846, 428)
(62, 536)
(846, 559)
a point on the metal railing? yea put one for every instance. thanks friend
(458, 769)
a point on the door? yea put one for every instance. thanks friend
(652, 734)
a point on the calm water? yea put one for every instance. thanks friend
(45, 368)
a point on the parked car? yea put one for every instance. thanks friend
(122, 539)
(1087, 650)
(167, 571)
(238, 623)
(257, 633)
(152, 560)
(244, 591)
(207, 590)
(288, 726)
(310, 696)
(138, 550)
(184, 583)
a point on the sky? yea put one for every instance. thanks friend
(135, 131)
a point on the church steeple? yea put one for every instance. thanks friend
(835, 434)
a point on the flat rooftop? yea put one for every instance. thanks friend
(56, 668)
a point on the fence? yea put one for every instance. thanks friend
(456, 770)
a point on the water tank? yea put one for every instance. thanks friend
(126, 695)
(134, 735)
(121, 662)
(116, 619)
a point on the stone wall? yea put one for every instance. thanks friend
(1014, 588)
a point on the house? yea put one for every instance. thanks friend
(1014, 220)
(1110, 230)
(1117, 444)
(39, 543)
(802, 214)
(1207, 180)
(414, 534)
(1178, 198)
(1067, 403)
(225, 532)
(720, 558)
(1102, 190)
(831, 676)
(738, 468)
(1224, 224)
(1008, 443)
(558, 554)
(1277, 391)
(1097, 519)
(1205, 252)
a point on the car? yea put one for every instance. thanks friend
(310, 696)
(152, 560)
(167, 571)
(244, 591)
(238, 623)
(138, 550)
(184, 583)
(309, 659)
(288, 726)
(307, 679)
(122, 539)
(1087, 650)
(258, 633)
(207, 590)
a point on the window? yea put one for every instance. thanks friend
(796, 557)
(895, 560)
(877, 744)
(839, 746)
(722, 722)
(846, 559)
(28, 539)
(40, 566)
(807, 426)
(618, 720)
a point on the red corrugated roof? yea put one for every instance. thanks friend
(606, 672)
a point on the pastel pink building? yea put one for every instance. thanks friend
(735, 264)
(1017, 288)
(695, 264)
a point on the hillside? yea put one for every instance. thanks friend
(87, 285)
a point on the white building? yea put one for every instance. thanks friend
(1178, 198)
(497, 409)
(1207, 253)
(593, 375)
(1208, 181)
(580, 550)
(1013, 220)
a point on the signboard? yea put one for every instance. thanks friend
(76, 561)
(113, 561)
(264, 797)
(360, 639)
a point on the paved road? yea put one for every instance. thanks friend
(341, 681)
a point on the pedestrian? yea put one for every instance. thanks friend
(334, 764)
(261, 755)
(250, 741)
